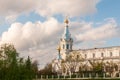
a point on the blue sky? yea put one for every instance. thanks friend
(108, 8)
(36, 26)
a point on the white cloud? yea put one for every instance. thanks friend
(30, 34)
(97, 36)
(68, 7)
(10, 19)
(34, 39)
(14, 7)
(11, 9)
(104, 31)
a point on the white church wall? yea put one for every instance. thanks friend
(100, 52)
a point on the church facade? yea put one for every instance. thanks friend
(70, 60)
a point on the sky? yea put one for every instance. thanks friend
(34, 27)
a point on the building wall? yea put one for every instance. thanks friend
(99, 53)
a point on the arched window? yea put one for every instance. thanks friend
(111, 54)
(67, 46)
(102, 55)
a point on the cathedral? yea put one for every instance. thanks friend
(69, 61)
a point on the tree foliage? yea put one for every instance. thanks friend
(14, 68)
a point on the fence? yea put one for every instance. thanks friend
(80, 76)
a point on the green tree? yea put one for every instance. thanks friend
(9, 61)
(12, 67)
(28, 69)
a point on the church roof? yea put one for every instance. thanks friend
(111, 47)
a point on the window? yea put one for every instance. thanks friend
(102, 55)
(93, 55)
(85, 55)
(111, 54)
(67, 46)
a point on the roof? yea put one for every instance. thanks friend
(111, 47)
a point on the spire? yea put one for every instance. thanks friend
(66, 34)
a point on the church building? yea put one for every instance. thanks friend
(69, 60)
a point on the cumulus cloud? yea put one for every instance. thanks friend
(34, 39)
(14, 7)
(30, 34)
(11, 9)
(68, 7)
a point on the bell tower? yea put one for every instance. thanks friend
(66, 41)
